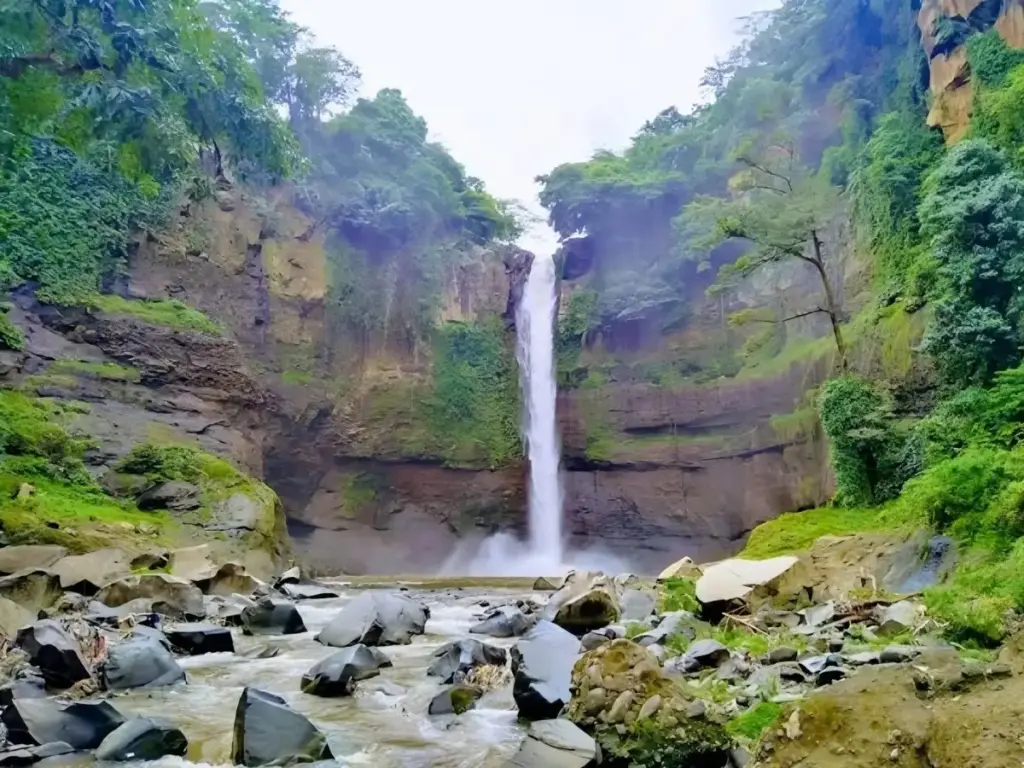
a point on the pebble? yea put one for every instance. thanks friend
(781, 655)
(649, 708)
(696, 710)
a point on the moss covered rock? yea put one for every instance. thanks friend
(638, 716)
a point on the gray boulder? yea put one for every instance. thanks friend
(455, 700)
(506, 621)
(19, 756)
(141, 661)
(556, 744)
(227, 610)
(675, 623)
(33, 589)
(13, 617)
(338, 673)
(169, 595)
(584, 603)
(896, 618)
(55, 652)
(267, 731)
(175, 496)
(81, 724)
(637, 604)
(197, 639)
(542, 665)
(376, 619)
(88, 574)
(292, 576)
(456, 659)
(14, 559)
(142, 738)
(272, 617)
(27, 684)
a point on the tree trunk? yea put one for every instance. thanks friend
(831, 307)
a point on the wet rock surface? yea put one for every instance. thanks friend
(542, 664)
(338, 674)
(376, 619)
(267, 731)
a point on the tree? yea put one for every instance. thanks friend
(781, 210)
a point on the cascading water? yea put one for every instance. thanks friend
(535, 324)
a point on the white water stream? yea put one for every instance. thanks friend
(535, 323)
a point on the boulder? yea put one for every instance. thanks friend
(32, 589)
(194, 564)
(735, 579)
(27, 684)
(142, 739)
(13, 617)
(227, 610)
(544, 585)
(618, 687)
(556, 744)
(292, 576)
(817, 615)
(584, 603)
(197, 639)
(673, 624)
(637, 604)
(19, 756)
(308, 592)
(81, 724)
(542, 667)
(506, 621)
(593, 640)
(375, 618)
(170, 596)
(338, 673)
(681, 569)
(455, 700)
(57, 654)
(896, 618)
(30, 557)
(707, 653)
(238, 513)
(272, 617)
(176, 496)
(140, 661)
(153, 560)
(232, 579)
(267, 731)
(456, 659)
(124, 485)
(88, 574)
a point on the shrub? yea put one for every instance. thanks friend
(34, 443)
(680, 595)
(164, 463)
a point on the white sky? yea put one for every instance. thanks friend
(515, 88)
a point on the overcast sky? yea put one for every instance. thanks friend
(515, 88)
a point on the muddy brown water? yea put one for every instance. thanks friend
(385, 724)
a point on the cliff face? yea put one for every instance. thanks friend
(944, 25)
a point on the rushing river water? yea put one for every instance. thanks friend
(385, 724)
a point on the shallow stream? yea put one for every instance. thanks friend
(385, 724)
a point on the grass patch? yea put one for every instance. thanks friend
(752, 724)
(635, 629)
(298, 378)
(168, 312)
(797, 531)
(107, 371)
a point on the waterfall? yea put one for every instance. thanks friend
(535, 325)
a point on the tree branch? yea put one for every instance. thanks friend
(767, 171)
(810, 312)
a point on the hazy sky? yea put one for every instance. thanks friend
(515, 88)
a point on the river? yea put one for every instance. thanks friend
(384, 724)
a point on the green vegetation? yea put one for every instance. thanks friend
(797, 531)
(755, 721)
(679, 595)
(169, 312)
(474, 410)
(109, 371)
(358, 490)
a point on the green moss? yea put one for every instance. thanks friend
(651, 744)
(358, 490)
(109, 371)
(679, 595)
(463, 698)
(755, 721)
(800, 424)
(297, 377)
(169, 312)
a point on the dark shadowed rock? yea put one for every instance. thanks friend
(338, 673)
(143, 738)
(18, 756)
(781, 655)
(292, 576)
(455, 700)
(308, 592)
(55, 652)
(375, 619)
(267, 731)
(458, 658)
(556, 744)
(14, 559)
(272, 617)
(506, 621)
(141, 661)
(82, 724)
(175, 496)
(197, 639)
(170, 596)
(542, 665)
(27, 684)
(708, 653)
(124, 485)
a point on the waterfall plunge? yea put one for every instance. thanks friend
(535, 324)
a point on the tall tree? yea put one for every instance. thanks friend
(781, 210)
